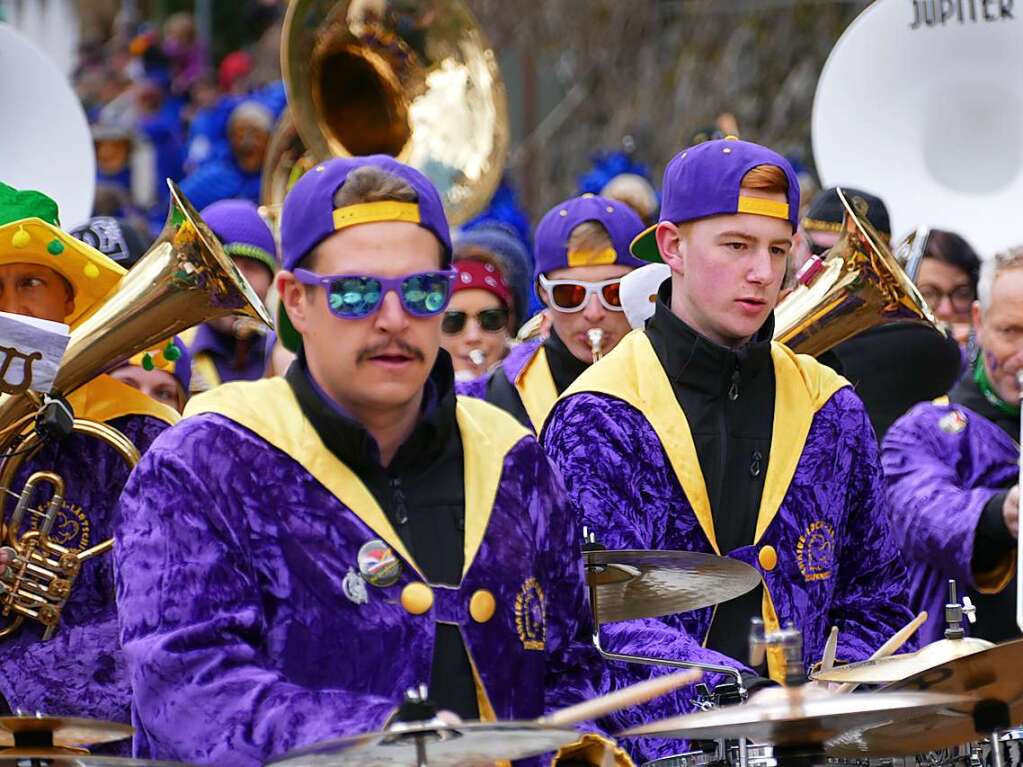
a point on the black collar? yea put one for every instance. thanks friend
(349, 440)
(565, 366)
(968, 394)
(693, 361)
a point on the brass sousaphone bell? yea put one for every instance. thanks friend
(413, 79)
(856, 286)
(183, 280)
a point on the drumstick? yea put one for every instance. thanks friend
(830, 648)
(624, 698)
(892, 646)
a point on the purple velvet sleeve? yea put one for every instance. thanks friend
(935, 516)
(193, 625)
(872, 594)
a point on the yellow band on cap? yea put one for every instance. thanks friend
(592, 257)
(761, 207)
(371, 212)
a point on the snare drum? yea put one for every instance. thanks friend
(1012, 749)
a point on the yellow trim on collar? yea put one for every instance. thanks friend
(775, 654)
(536, 388)
(371, 212)
(592, 257)
(758, 206)
(268, 408)
(104, 398)
(803, 386)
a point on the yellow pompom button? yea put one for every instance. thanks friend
(91, 271)
(417, 598)
(482, 606)
(21, 239)
(768, 558)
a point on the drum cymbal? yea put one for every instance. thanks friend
(65, 730)
(989, 678)
(442, 745)
(895, 668)
(631, 584)
(797, 716)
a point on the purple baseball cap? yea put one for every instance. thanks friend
(309, 216)
(555, 229)
(705, 180)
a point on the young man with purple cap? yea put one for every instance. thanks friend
(582, 253)
(698, 433)
(329, 539)
(232, 348)
(48, 274)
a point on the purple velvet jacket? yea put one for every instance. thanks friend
(823, 545)
(79, 671)
(241, 640)
(943, 463)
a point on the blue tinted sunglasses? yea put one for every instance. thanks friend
(354, 296)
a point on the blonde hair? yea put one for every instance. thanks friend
(589, 236)
(766, 178)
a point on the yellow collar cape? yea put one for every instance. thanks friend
(268, 408)
(536, 388)
(104, 398)
(633, 373)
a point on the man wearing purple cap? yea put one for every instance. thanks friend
(698, 433)
(329, 539)
(582, 253)
(233, 348)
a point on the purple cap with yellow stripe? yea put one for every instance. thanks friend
(706, 180)
(309, 215)
(554, 232)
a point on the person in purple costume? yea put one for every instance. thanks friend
(582, 253)
(953, 470)
(302, 550)
(698, 433)
(229, 348)
(48, 274)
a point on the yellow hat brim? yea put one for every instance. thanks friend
(92, 275)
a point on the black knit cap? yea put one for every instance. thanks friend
(826, 212)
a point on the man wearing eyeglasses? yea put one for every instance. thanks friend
(953, 469)
(303, 550)
(701, 434)
(581, 255)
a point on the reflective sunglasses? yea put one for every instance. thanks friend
(490, 320)
(572, 295)
(354, 296)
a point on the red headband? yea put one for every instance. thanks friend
(480, 275)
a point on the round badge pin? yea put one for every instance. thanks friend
(378, 564)
(953, 422)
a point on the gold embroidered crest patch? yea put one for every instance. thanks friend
(531, 615)
(815, 552)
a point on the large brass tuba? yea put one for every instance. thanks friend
(414, 79)
(858, 284)
(183, 280)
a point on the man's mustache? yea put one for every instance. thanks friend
(403, 346)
